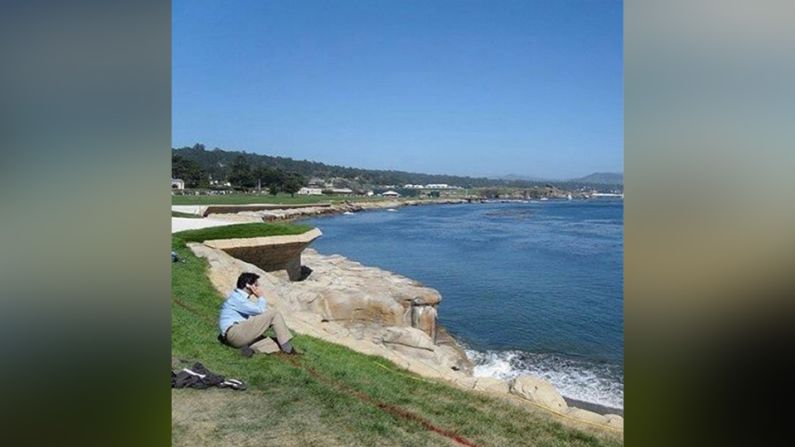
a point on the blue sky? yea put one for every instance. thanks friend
(446, 87)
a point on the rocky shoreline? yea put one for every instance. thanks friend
(376, 312)
(271, 212)
(596, 408)
(344, 207)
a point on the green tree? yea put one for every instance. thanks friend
(189, 171)
(276, 181)
(408, 192)
(268, 177)
(292, 183)
(241, 174)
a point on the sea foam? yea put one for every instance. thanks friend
(601, 384)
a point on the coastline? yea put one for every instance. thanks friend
(449, 339)
(252, 213)
(295, 213)
(270, 212)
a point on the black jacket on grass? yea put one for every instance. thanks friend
(200, 377)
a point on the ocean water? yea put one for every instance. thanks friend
(527, 287)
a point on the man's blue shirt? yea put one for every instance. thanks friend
(238, 307)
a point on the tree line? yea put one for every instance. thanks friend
(245, 176)
(247, 170)
(218, 162)
(242, 174)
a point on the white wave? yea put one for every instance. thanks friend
(576, 379)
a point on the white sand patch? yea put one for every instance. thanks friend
(186, 223)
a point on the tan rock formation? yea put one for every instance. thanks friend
(345, 291)
(615, 421)
(538, 390)
(587, 416)
(492, 385)
(363, 308)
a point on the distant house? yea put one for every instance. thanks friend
(310, 191)
(220, 183)
(177, 183)
(342, 190)
(390, 194)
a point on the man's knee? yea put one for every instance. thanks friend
(268, 315)
(278, 320)
(271, 315)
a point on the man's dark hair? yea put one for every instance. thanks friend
(245, 279)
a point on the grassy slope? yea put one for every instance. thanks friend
(286, 405)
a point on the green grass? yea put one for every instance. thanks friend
(242, 199)
(241, 231)
(287, 405)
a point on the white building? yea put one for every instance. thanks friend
(437, 186)
(177, 183)
(390, 193)
(219, 183)
(310, 191)
(342, 190)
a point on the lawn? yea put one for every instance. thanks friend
(245, 230)
(331, 395)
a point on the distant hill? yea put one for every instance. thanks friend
(217, 163)
(601, 178)
(522, 178)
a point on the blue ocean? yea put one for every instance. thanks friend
(527, 287)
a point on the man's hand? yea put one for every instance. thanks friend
(255, 290)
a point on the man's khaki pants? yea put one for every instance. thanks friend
(251, 331)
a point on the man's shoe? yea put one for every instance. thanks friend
(246, 351)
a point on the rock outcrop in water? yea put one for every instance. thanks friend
(347, 292)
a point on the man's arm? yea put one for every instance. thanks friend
(245, 306)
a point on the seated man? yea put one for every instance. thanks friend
(244, 320)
